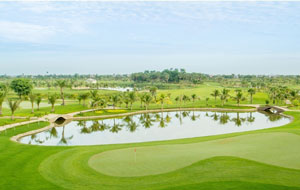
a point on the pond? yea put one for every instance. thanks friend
(154, 127)
(120, 89)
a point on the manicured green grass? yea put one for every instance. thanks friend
(269, 148)
(41, 167)
(68, 108)
(6, 121)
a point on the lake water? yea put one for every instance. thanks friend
(154, 127)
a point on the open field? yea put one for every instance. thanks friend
(251, 160)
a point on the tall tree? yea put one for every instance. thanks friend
(162, 99)
(206, 100)
(178, 99)
(115, 99)
(38, 101)
(251, 92)
(132, 98)
(2, 98)
(194, 97)
(147, 100)
(215, 94)
(22, 87)
(84, 97)
(13, 106)
(224, 95)
(185, 99)
(239, 97)
(62, 84)
(141, 97)
(52, 100)
(32, 98)
(153, 91)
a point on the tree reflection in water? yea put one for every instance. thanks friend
(196, 123)
(194, 117)
(64, 140)
(116, 127)
(224, 118)
(147, 121)
(250, 119)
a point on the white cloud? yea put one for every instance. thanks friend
(25, 32)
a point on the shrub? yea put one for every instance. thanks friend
(267, 102)
(295, 103)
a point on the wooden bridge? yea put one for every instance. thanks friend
(275, 109)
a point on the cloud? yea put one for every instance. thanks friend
(25, 32)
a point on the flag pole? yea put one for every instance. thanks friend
(134, 154)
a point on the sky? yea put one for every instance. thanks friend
(102, 37)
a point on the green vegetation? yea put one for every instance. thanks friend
(5, 121)
(264, 159)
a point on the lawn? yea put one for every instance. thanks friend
(265, 159)
(6, 121)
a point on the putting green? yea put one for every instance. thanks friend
(279, 149)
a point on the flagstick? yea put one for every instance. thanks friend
(134, 154)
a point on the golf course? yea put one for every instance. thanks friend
(267, 158)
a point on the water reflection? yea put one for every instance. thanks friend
(154, 126)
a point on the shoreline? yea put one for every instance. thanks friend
(52, 124)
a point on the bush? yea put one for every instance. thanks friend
(295, 103)
(267, 102)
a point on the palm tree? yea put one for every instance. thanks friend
(126, 99)
(32, 98)
(179, 99)
(224, 95)
(38, 101)
(185, 99)
(162, 98)
(95, 98)
(62, 84)
(141, 97)
(52, 100)
(153, 91)
(215, 94)
(194, 97)
(132, 98)
(115, 100)
(84, 97)
(2, 98)
(239, 97)
(147, 100)
(206, 100)
(251, 91)
(13, 106)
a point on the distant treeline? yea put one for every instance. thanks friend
(166, 79)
